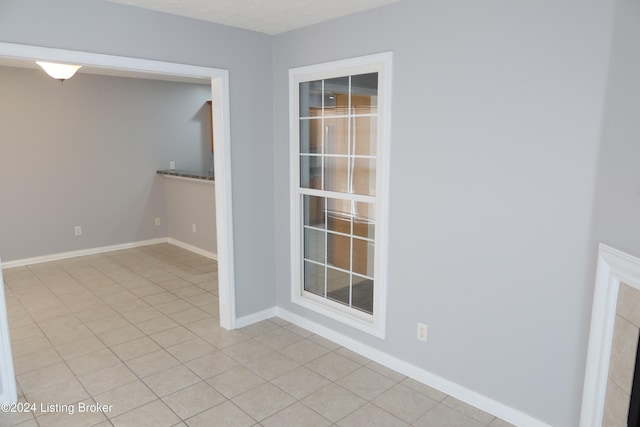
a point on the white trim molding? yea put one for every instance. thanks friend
(205, 253)
(221, 134)
(8, 389)
(614, 267)
(450, 388)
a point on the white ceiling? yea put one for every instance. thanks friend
(266, 16)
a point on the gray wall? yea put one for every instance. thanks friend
(617, 207)
(191, 202)
(85, 153)
(497, 110)
(109, 28)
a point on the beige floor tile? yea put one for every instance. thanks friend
(263, 401)
(189, 316)
(333, 402)
(72, 417)
(304, 351)
(126, 397)
(119, 297)
(136, 348)
(142, 315)
(160, 298)
(366, 383)
(272, 365)
(154, 414)
(500, 423)
(296, 415)
(278, 339)
(173, 336)
(146, 290)
(220, 338)
(370, 415)
(93, 362)
(45, 377)
(107, 379)
(188, 291)
(36, 360)
(235, 381)
(383, 370)
(333, 366)
(108, 324)
(156, 325)
(10, 419)
(468, 410)
(96, 314)
(193, 400)
(443, 416)
(130, 305)
(226, 414)
(23, 332)
(298, 330)
(404, 403)
(20, 347)
(326, 343)
(211, 364)
(68, 392)
(122, 335)
(301, 382)
(174, 307)
(64, 334)
(171, 380)
(152, 363)
(191, 349)
(246, 351)
(80, 348)
(259, 328)
(430, 392)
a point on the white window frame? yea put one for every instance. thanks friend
(382, 64)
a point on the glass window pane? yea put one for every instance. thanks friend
(364, 220)
(339, 215)
(313, 210)
(336, 177)
(363, 254)
(311, 172)
(336, 96)
(310, 98)
(339, 251)
(364, 93)
(364, 135)
(364, 176)
(314, 278)
(338, 286)
(314, 245)
(362, 294)
(336, 135)
(311, 136)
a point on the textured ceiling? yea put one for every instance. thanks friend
(266, 16)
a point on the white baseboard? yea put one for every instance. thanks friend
(457, 391)
(193, 249)
(105, 249)
(81, 252)
(241, 322)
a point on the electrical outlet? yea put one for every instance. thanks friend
(172, 165)
(77, 230)
(422, 332)
(193, 228)
(157, 221)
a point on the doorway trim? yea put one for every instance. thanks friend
(222, 159)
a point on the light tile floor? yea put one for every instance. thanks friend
(138, 330)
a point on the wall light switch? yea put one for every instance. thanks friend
(77, 230)
(157, 221)
(172, 165)
(422, 332)
(193, 228)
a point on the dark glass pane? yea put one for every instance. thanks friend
(364, 220)
(364, 176)
(339, 251)
(338, 286)
(314, 245)
(313, 211)
(311, 136)
(336, 135)
(364, 136)
(314, 278)
(364, 93)
(336, 177)
(336, 96)
(339, 215)
(362, 294)
(363, 253)
(310, 98)
(311, 172)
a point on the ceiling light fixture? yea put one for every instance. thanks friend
(59, 72)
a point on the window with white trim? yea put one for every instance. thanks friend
(339, 116)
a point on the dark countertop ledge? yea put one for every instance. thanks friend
(187, 174)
